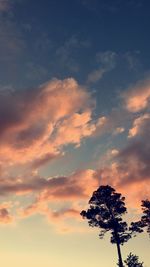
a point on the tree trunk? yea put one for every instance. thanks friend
(119, 254)
(118, 248)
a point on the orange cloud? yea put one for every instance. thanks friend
(30, 119)
(36, 124)
(128, 173)
(35, 127)
(74, 128)
(137, 98)
(65, 193)
(139, 124)
(65, 187)
(5, 217)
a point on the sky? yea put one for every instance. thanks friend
(74, 115)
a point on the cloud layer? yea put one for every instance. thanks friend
(35, 127)
(35, 124)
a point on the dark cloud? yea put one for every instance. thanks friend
(57, 187)
(135, 158)
(43, 160)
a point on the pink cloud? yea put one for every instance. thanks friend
(35, 126)
(139, 125)
(29, 120)
(137, 98)
(129, 168)
(76, 186)
(74, 128)
(5, 216)
(65, 192)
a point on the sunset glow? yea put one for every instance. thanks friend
(74, 115)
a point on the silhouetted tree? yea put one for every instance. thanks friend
(133, 261)
(137, 227)
(145, 219)
(105, 211)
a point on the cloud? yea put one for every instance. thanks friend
(35, 124)
(4, 5)
(65, 53)
(96, 75)
(129, 170)
(137, 98)
(65, 193)
(43, 160)
(12, 44)
(132, 59)
(114, 123)
(74, 128)
(135, 157)
(119, 130)
(139, 125)
(61, 200)
(75, 186)
(107, 58)
(7, 5)
(63, 219)
(5, 216)
(107, 61)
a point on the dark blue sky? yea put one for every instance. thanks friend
(45, 39)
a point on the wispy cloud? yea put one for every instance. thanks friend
(106, 62)
(5, 5)
(66, 53)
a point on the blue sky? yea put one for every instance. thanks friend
(74, 114)
(64, 38)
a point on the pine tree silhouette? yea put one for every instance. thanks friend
(133, 261)
(137, 227)
(105, 212)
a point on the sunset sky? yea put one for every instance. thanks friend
(74, 114)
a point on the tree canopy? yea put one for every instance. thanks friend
(105, 212)
(133, 261)
(146, 214)
(137, 227)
